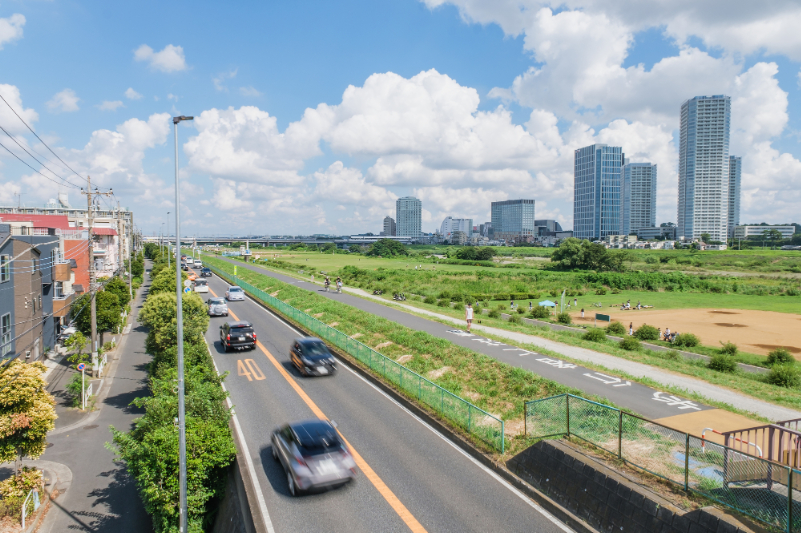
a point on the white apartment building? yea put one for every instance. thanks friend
(639, 197)
(735, 172)
(409, 217)
(451, 225)
(704, 167)
(743, 232)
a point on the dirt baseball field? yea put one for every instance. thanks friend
(752, 331)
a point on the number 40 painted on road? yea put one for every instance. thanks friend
(252, 371)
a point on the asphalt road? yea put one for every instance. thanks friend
(645, 401)
(410, 476)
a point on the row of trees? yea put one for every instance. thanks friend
(150, 449)
(578, 254)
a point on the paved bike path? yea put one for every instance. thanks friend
(640, 399)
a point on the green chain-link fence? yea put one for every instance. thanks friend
(476, 421)
(762, 489)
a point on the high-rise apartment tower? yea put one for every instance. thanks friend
(704, 167)
(735, 171)
(389, 227)
(596, 195)
(513, 220)
(639, 197)
(408, 216)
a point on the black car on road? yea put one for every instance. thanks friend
(312, 357)
(205, 272)
(237, 335)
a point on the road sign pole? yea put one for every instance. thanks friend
(83, 389)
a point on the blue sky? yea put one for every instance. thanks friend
(459, 102)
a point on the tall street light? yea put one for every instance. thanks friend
(180, 339)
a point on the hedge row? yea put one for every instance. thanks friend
(150, 449)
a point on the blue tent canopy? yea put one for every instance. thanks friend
(547, 303)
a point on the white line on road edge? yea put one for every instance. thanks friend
(495, 476)
(246, 452)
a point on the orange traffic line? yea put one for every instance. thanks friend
(374, 478)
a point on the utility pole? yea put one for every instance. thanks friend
(92, 274)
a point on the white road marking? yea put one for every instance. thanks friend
(492, 474)
(268, 524)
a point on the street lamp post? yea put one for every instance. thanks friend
(180, 339)
(168, 238)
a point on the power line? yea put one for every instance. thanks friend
(43, 165)
(40, 139)
(30, 167)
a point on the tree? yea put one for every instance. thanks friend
(354, 249)
(165, 282)
(138, 267)
(159, 314)
(387, 248)
(328, 247)
(584, 255)
(109, 313)
(27, 411)
(706, 237)
(118, 287)
(78, 342)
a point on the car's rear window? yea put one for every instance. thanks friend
(201, 282)
(216, 301)
(317, 439)
(315, 348)
(242, 329)
(234, 289)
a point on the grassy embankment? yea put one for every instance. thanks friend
(747, 383)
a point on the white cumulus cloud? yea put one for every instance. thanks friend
(130, 94)
(108, 105)
(65, 101)
(8, 119)
(170, 59)
(11, 28)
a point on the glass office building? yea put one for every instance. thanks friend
(735, 171)
(513, 220)
(409, 217)
(639, 197)
(596, 195)
(704, 168)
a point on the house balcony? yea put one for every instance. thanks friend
(99, 249)
(62, 271)
(62, 303)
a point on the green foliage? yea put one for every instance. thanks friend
(27, 411)
(616, 328)
(137, 267)
(780, 356)
(165, 281)
(328, 247)
(474, 253)
(15, 489)
(494, 313)
(74, 386)
(594, 335)
(119, 288)
(687, 340)
(671, 355)
(784, 375)
(78, 343)
(444, 302)
(647, 333)
(159, 315)
(584, 255)
(354, 249)
(629, 343)
(722, 363)
(387, 248)
(109, 312)
(600, 291)
(430, 300)
(540, 312)
(564, 318)
(728, 348)
(514, 319)
(521, 310)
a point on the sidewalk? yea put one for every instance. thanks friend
(100, 496)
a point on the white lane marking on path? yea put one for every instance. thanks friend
(675, 401)
(608, 380)
(265, 514)
(492, 474)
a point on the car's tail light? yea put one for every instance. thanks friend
(228, 337)
(254, 336)
(302, 460)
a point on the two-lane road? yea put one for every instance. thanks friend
(410, 476)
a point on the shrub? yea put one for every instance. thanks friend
(615, 291)
(494, 313)
(722, 363)
(784, 375)
(687, 340)
(672, 355)
(430, 300)
(457, 298)
(616, 328)
(564, 318)
(521, 310)
(647, 333)
(780, 356)
(630, 343)
(594, 335)
(443, 303)
(600, 291)
(728, 348)
(540, 312)
(514, 319)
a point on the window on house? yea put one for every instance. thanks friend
(5, 334)
(5, 270)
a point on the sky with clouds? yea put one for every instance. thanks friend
(314, 117)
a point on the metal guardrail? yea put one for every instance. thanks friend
(759, 488)
(476, 421)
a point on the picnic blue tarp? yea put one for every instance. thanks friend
(547, 303)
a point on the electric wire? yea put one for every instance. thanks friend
(65, 180)
(30, 167)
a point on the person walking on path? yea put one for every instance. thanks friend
(468, 315)
(631, 329)
(582, 312)
(575, 302)
(529, 307)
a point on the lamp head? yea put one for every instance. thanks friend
(176, 120)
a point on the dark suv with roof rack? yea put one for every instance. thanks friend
(237, 335)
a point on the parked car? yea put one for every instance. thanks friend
(198, 263)
(201, 285)
(66, 333)
(237, 336)
(234, 292)
(312, 358)
(205, 272)
(313, 455)
(217, 306)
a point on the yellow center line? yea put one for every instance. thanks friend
(377, 482)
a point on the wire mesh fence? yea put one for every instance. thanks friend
(764, 490)
(474, 420)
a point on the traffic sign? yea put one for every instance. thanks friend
(187, 289)
(81, 367)
(187, 283)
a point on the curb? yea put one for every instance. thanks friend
(547, 503)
